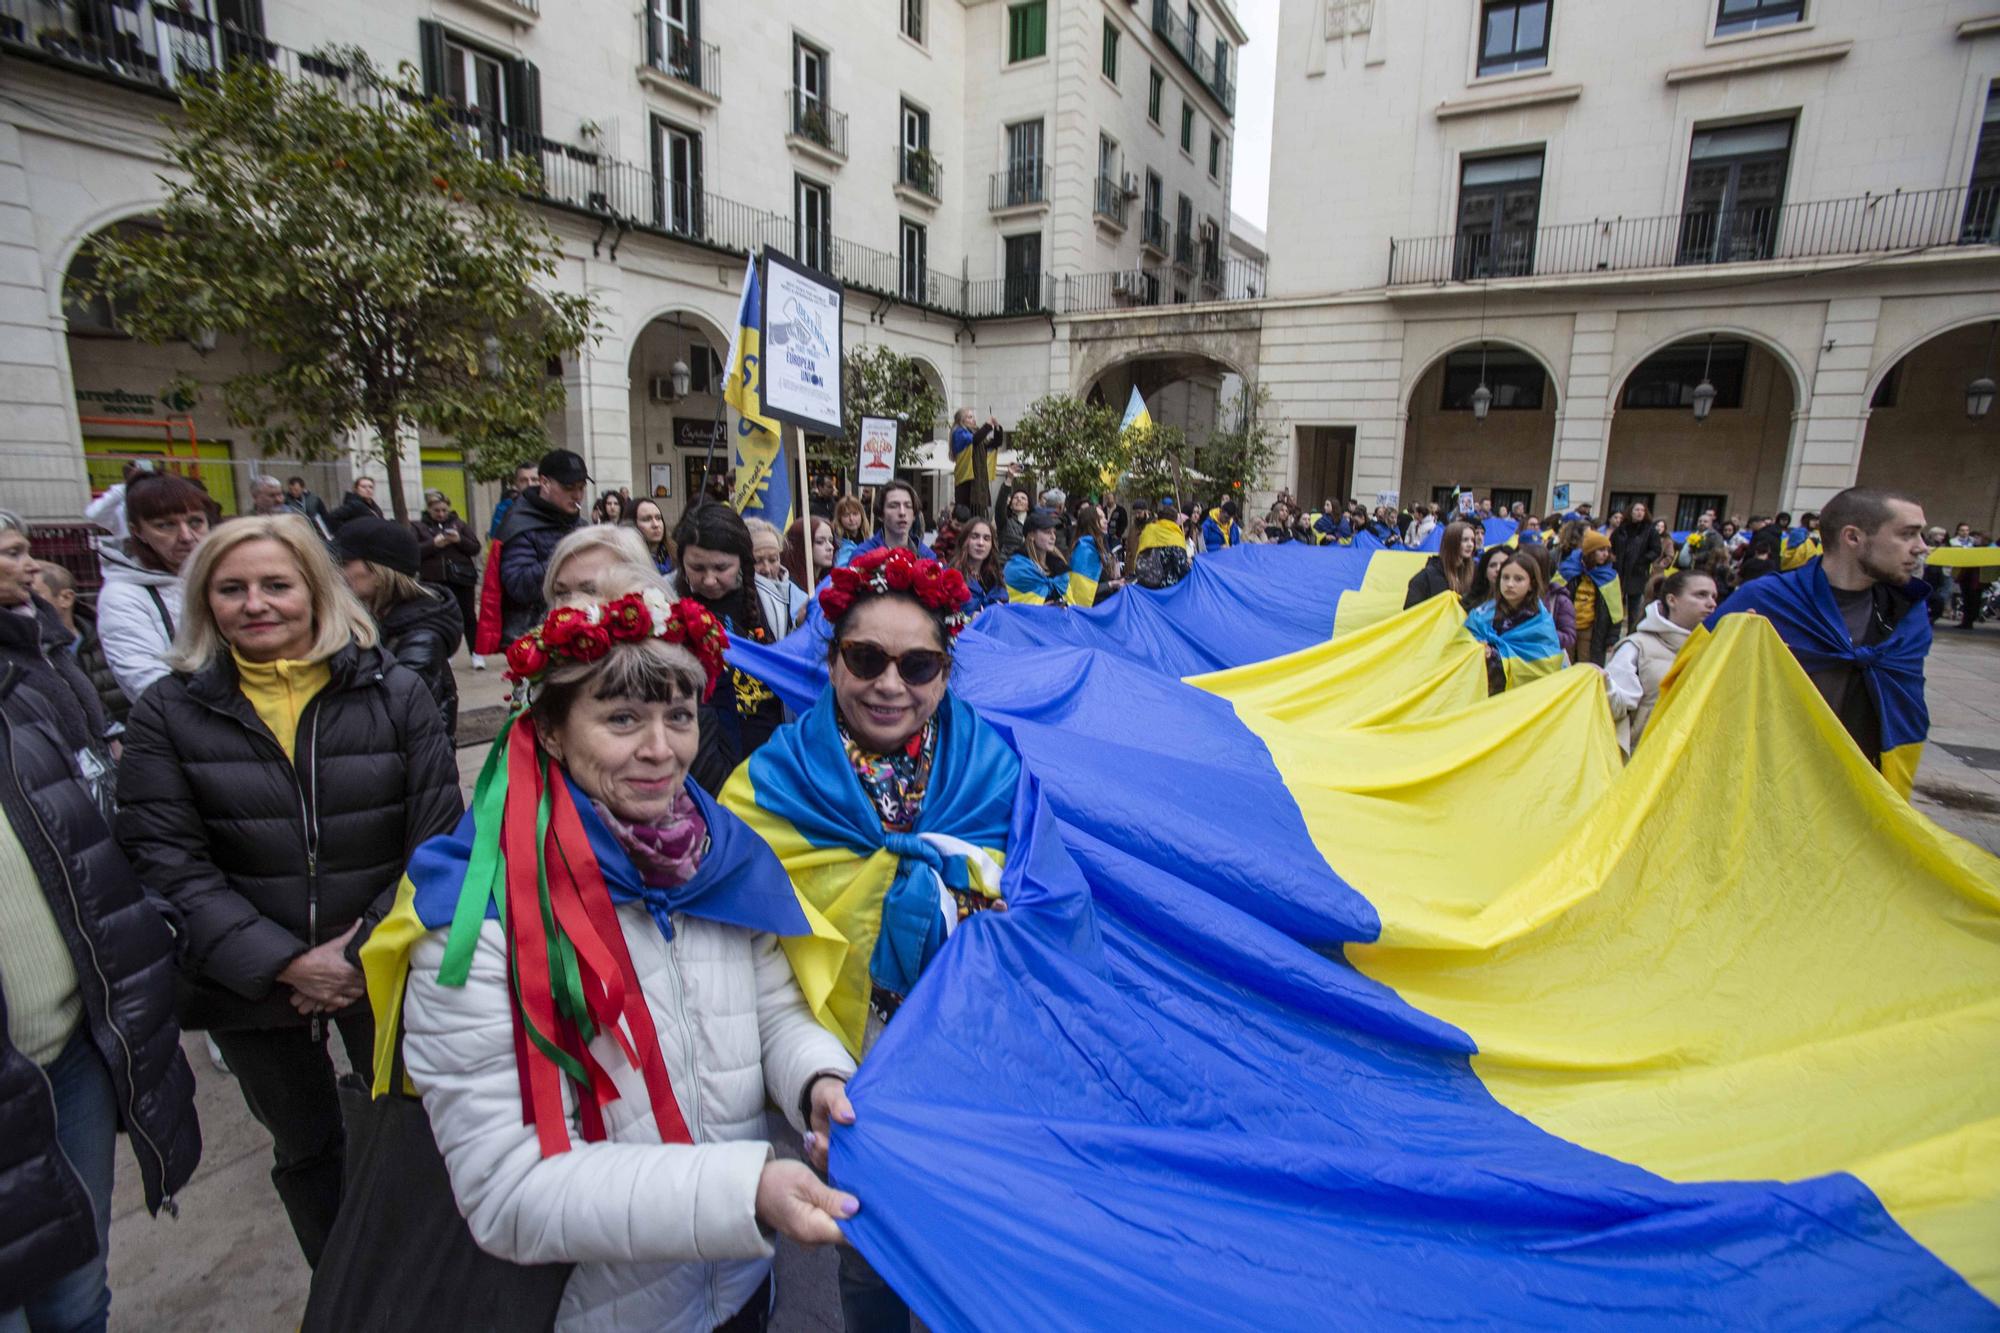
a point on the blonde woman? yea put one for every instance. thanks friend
(588, 554)
(272, 789)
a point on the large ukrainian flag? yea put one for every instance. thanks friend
(1332, 992)
(763, 478)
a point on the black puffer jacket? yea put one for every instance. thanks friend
(124, 957)
(39, 645)
(90, 656)
(1426, 583)
(264, 858)
(422, 635)
(528, 536)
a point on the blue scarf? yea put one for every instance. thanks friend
(1800, 606)
(739, 881)
(802, 775)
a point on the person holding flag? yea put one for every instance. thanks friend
(972, 450)
(1600, 602)
(763, 483)
(1037, 574)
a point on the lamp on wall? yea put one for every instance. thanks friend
(1482, 397)
(1979, 393)
(1704, 392)
(202, 340)
(490, 359)
(680, 377)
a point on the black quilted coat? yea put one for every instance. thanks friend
(422, 634)
(123, 952)
(265, 857)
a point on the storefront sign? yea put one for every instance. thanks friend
(699, 433)
(124, 403)
(878, 450)
(801, 379)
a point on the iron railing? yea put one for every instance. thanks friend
(1183, 250)
(812, 119)
(1122, 289)
(1154, 233)
(1112, 201)
(919, 169)
(1018, 185)
(1182, 41)
(696, 63)
(155, 46)
(1869, 224)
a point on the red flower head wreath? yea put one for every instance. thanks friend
(586, 633)
(892, 569)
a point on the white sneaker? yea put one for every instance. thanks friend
(215, 1055)
(478, 662)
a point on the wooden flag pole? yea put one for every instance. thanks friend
(804, 511)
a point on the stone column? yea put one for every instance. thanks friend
(1825, 453)
(599, 414)
(1583, 418)
(41, 465)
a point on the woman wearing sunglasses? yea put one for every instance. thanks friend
(888, 804)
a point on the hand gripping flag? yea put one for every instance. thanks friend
(763, 479)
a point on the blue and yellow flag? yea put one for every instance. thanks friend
(763, 476)
(1027, 585)
(1800, 545)
(1610, 592)
(1086, 569)
(1560, 1078)
(1136, 415)
(1528, 650)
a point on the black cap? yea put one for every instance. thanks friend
(563, 466)
(1039, 520)
(380, 541)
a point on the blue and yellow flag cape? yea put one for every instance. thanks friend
(1528, 650)
(1610, 592)
(1800, 606)
(1800, 545)
(763, 475)
(1027, 585)
(1086, 568)
(1568, 1080)
(1162, 532)
(874, 898)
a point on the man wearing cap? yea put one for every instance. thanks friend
(539, 518)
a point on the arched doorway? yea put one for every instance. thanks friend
(1921, 438)
(1505, 456)
(1733, 462)
(1196, 393)
(678, 431)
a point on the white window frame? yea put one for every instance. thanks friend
(916, 291)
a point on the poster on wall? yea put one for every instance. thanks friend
(1562, 497)
(1387, 499)
(878, 450)
(800, 381)
(660, 477)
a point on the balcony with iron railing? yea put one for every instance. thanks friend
(156, 47)
(918, 170)
(1019, 185)
(1154, 233)
(1180, 39)
(1878, 224)
(678, 64)
(1112, 203)
(1183, 251)
(815, 127)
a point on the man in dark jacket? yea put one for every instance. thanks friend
(57, 586)
(1634, 547)
(88, 1044)
(447, 548)
(538, 520)
(358, 503)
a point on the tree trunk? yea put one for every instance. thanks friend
(388, 435)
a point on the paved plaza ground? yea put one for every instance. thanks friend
(229, 1263)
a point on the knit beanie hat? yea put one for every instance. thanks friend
(381, 541)
(1593, 540)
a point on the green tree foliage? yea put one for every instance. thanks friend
(380, 272)
(882, 382)
(1236, 460)
(1069, 443)
(1156, 462)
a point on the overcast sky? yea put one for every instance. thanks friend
(1256, 74)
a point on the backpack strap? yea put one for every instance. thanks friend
(160, 605)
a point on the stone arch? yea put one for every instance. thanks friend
(1770, 345)
(712, 327)
(1490, 341)
(1508, 456)
(1920, 440)
(73, 242)
(1882, 368)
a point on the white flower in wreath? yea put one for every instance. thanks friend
(659, 608)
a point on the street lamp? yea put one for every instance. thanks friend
(680, 377)
(1482, 400)
(1704, 392)
(490, 359)
(202, 340)
(1979, 397)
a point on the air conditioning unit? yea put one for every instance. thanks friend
(1129, 186)
(661, 389)
(1128, 282)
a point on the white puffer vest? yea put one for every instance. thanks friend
(664, 1237)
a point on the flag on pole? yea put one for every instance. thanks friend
(763, 484)
(1136, 415)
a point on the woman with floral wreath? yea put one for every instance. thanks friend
(888, 803)
(592, 995)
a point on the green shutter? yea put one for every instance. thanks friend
(1110, 50)
(1027, 31)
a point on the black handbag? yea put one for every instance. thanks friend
(400, 1256)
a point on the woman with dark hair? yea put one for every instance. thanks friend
(1485, 575)
(718, 569)
(1037, 575)
(1093, 570)
(272, 790)
(978, 563)
(1450, 570)
(1638, 663)
(650, 521)
(1766, 549)
(139, 609)
(908, 796)
(418, 622)
(1013, 531)
(610, 508)
(661, 1187)
(794, 556)
(1516, 627)
(1557, 597)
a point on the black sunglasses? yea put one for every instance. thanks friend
(919, 666)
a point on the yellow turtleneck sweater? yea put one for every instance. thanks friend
(279, 691)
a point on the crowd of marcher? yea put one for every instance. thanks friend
(232, 805)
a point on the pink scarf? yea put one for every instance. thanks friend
(665, 855)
